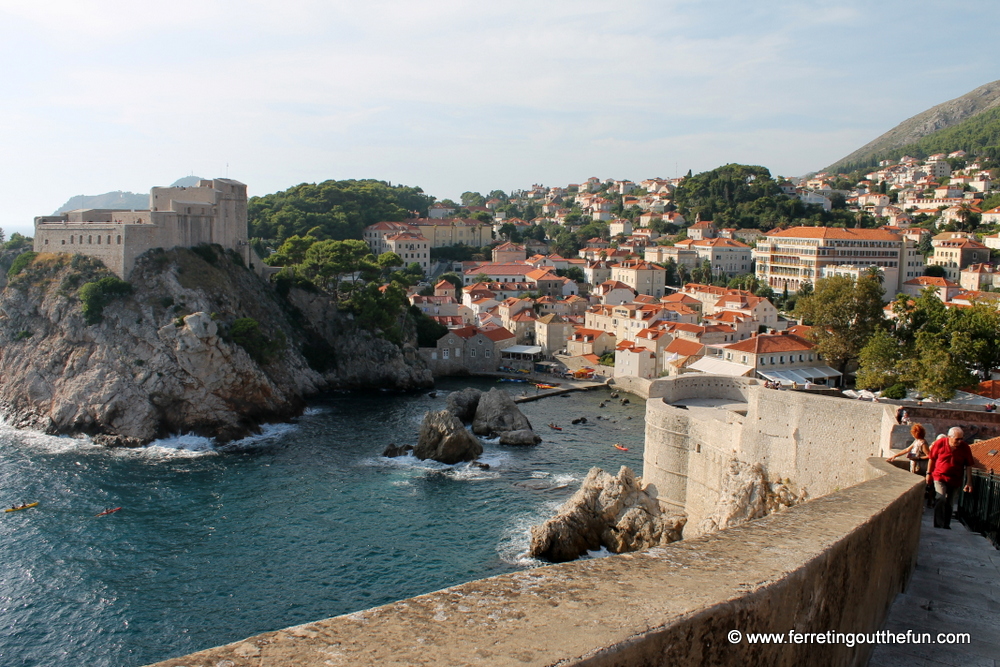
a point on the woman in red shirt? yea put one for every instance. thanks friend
(950, 460)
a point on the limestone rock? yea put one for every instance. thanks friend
(522, 437)
(444, 438)
(745, 494)
(463, 403)
(393, 450)
(161, 361)
(497, 412)
(610, 511)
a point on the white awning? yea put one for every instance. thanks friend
(716, 366)
(800, 375)
(522, 349)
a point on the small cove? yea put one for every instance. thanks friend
(302, 522)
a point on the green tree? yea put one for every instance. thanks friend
(843, 313)
(879, 361)
(454, 279)
(473, 199)
(292, 251)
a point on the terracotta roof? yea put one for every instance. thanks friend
(526, 315)
(931, 280)
(721, 243)
(771, 343)
(989, 389)
(443, 283)
(498, 334)
(685, 348)
(987, 454)
(834, 233)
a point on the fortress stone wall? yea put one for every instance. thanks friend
(707, 460)
(214, 211)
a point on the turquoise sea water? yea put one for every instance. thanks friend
(304, 522)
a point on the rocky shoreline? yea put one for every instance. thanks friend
(194, 343)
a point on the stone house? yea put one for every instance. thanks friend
(467, 350)
(585, 341)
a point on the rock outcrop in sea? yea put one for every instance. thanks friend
(497, 413)
(611, 511)
(197, 343)
(444, 438)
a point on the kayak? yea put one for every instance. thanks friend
(622, 448)
(555, 428)
(110, 511)
(23, 507)
(546, 386)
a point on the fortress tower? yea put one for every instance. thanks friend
(212, 212)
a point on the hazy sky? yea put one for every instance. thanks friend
(453, 95)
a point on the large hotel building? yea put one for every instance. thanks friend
(791, 257)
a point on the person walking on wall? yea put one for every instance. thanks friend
(917, 451)
(949, 462)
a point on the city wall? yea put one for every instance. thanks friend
(701, 459)
(832, 564)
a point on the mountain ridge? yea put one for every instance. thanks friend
(940, 117)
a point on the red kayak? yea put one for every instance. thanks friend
(110, 511)
(624, 449)
(555, 428)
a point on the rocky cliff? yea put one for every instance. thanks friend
(197, 344)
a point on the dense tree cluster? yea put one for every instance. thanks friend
(745, 196)
(332, 209)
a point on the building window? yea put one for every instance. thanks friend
(90, 239)
(488, 354)
(472, 353)
(119, 239)
(445, 353)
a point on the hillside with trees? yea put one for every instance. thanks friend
(332, 209)
(747, 196)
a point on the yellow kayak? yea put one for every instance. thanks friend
(21, 507)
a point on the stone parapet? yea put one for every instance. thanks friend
(832, 564)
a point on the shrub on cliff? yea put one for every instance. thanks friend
(96, 295)
(246, 333)
(20, 262)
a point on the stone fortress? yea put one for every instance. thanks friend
(725, 450)
(214, 211)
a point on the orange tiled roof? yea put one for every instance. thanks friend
(770, 343)
(987, 454)
(834, 233)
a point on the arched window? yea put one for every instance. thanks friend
(90, 239)
(119, 239)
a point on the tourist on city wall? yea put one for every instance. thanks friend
(917, 451)
(950, 461)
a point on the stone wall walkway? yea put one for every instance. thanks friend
(955, 588)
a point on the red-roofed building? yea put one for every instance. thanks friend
(642, 276)
(585, 341)
(508, 252)
(792, 257)
(466, 350)
(944, 288)
(956, 250)
(780, 357)
(632, 360)
(986, 454)
(979, 277)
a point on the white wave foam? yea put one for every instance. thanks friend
(50, 444)
(516, 537)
